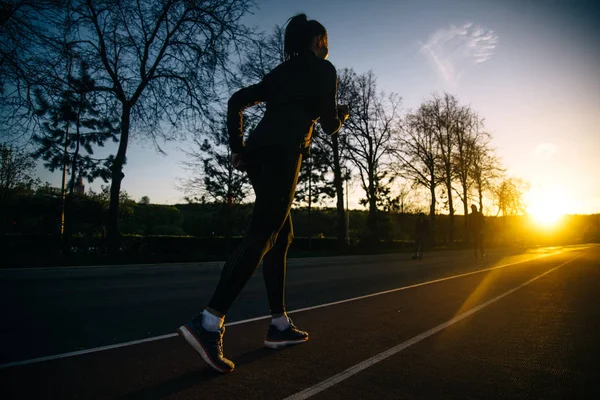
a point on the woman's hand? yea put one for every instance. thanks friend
(344, 111)
(238, 161)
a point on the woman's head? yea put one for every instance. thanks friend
(302, 34)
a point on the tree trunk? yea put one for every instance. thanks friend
(372, 218)
(115, 187)
(432, 211)
(339, 191)
(451, 211)
(68, 231)
(228, 211)
(229, 206)
(309, 203)
(466, 211)
(480, 192)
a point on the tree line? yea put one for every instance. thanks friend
(76, 74)
(442, 148)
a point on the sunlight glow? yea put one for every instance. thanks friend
(546, 207)
(546, 216)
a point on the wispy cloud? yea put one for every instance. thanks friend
(452, 50)
(545, 151)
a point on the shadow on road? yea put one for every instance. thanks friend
(192, 378)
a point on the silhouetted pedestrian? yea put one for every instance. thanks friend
(476, 228)
(421, 235)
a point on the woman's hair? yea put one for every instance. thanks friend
(299, 34)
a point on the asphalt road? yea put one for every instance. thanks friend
(525, 326)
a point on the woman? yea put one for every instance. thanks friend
(298, 92)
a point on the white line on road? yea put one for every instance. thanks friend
(311, 391)
(168, 336)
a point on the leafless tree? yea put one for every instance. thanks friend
(485, 168)
(417, 154)
(212, 172)
(338, 147)
(16, 169)
(262, 55)
(32, 53)
(160, 61)
(371, 127)
(471, 139)
(445, 115)
(508, 196)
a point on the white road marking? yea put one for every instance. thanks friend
(245, 321)
(311, 391)
(87, 351)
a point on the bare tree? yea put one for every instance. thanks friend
(16, 169)
(263, 54)
(370, 129)
(445, 116)
(314, 184)
(338, 146)
(212, 172)
(485, 168)
(160, 61)
(16, 175)
(32, 56)
(417, 154)
(335, 147)
(407, 201)
(508, 196)
(470, 137)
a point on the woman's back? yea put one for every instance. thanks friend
(296, 93)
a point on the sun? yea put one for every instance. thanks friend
(547, 208)
(546, 216)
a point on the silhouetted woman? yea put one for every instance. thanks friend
(297, 93)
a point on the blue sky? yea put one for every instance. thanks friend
(530, 68)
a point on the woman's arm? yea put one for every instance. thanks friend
(331, 117)
(242, 99)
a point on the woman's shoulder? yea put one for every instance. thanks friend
(327, 68)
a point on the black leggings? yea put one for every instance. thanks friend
(273, 173)
(478, 244)
(419, 244)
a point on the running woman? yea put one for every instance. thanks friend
(297, 93)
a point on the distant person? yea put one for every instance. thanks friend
(476, 225)
(297, 93)
(421, 235)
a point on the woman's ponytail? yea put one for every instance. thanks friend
(299, 33)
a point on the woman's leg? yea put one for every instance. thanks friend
(274, 268)
(274, 176)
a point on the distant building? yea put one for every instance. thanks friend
(79, 186)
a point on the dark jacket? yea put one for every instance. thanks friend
(297, 93)
(476, 223)
(422, 229)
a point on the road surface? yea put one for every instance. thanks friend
(518, 324)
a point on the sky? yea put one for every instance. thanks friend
(531, 69)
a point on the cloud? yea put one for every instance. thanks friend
(545, 151)
(452, 50)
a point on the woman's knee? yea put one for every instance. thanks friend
(290, 237)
